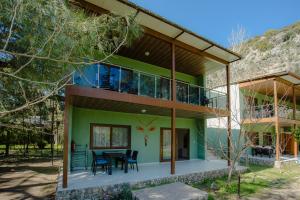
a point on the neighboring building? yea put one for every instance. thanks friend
(271, 110)
(150, 97)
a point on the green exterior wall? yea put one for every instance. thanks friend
(152, 69)
(151, 153)
(81, 118)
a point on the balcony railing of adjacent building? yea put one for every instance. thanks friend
(126, 80)
(268, 111)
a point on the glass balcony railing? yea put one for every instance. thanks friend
(136, 82)
(268, 111)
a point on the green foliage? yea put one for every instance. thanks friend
(288, 36)
(42, 143)
(270, 33)
(263, 45)
(296, 133)
(47, 41)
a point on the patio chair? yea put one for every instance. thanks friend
(127, 156)
(133, 160)
(99, 160)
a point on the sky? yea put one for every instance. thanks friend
(216, 19)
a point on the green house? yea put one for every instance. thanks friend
(149, 97)
(270, 111)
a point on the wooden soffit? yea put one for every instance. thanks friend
(169, 29)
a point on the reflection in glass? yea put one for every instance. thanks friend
(104, 77)
(87, 76)
(194, 95)
(163, 88)
(114, 75)
(129, 81)
(182, 92)
(119, 137)
(147, 85)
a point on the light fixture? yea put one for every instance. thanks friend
(147, 53)
(143, 110)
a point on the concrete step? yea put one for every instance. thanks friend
(173, 191)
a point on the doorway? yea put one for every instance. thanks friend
(182, 143)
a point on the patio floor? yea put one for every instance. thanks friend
(150, 171)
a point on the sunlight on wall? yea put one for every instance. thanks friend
(221, 122)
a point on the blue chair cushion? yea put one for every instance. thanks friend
(131, 161)
(101, 162)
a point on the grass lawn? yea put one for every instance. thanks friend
(253, 182)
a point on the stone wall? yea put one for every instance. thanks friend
(257, 161)
(123, 191)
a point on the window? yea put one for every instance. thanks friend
(109, 136)
(267, 139)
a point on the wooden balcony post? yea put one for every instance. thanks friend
(229, 116)
(66, 142)
(173, 112)
(294, 118)
(276, 122)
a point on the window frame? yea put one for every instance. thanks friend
(111, 126)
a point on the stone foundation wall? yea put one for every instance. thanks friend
(257, 161)
(123, 191)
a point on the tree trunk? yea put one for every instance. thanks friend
(7, 143)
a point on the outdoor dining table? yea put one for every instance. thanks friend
(115, 155)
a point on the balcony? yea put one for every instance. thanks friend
(268, 111)
(130, 81)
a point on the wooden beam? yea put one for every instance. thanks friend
(184, 46)
(173, 140)
(66, 141)
(173, 115)
(295, 126)
(252, 83)
(276, 122)
(229, 116)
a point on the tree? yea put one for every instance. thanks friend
(42, 43)
(243, 109)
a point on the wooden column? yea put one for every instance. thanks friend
(276, 122)
(173, 113)
(229, 116)
(294, 117)
(66, 142)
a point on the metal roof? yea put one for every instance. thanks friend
(157, 23)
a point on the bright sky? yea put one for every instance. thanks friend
(215, 19)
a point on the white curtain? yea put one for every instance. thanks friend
(119, 137)
(101, 136)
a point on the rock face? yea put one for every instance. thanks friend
(273, 52)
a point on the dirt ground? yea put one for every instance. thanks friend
(34, 179)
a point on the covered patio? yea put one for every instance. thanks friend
(149, 173)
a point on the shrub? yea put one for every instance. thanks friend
(297, 134)
(42, 144)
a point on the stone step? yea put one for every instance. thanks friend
(173, 191)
